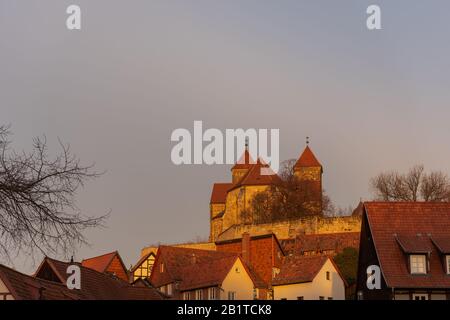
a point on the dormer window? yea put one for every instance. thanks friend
(418, 263)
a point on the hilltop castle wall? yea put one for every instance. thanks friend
(292, 228)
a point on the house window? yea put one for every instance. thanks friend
(212, 294)
(275, 271)
(448, 264)
(187, 296)
(420, 296)
(321, 298)
(199, 294)
(169, 289)
(301, 298)
(328, 275)
(360, 295)
(330, 298)
(161, 267)
(418, 263)
(231, 295)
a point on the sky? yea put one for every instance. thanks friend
(370, 101)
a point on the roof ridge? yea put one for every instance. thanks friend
(102, 255)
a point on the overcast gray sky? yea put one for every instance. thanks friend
(115, 90)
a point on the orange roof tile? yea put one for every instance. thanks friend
(219, 192)
(99, 263)
(299, 269)
(196, 268)
(307, 159)
(253, 177)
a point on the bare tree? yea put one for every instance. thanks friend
(389, 186)
(413, 186)
(37, 207)
(289, 198)
(435, 187)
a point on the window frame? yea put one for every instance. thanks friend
(420, 295)
(212, 293)
(411, 264)
(231, 295)
(199, 294)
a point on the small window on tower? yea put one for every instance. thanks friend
(161, 267)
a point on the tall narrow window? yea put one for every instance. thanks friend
(231, 295)
(212, 294)
(328, 275)
(161, 267)
(199, 294)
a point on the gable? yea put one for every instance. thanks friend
(117, 268)
(238, 274)
(48, 272)
(5, 293)
(144, 266)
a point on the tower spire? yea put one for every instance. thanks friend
(307, 140)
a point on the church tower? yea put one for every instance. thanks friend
(308, 169)
(243, 165)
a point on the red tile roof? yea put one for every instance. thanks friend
(299, 269)
(219, 192)
(25, 287)
(95, 285)
(307, 159)
(389, 221)
(253, 177)
(207, 273)
(335, 242)
(177, 258)
(415, 243)
(442, 243)
(99, 263)
(195, 268)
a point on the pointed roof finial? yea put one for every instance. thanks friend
(246, 143)
(307, 140)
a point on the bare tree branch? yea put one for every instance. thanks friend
(37, 205)
(414, 186)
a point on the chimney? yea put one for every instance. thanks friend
(246, 247)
